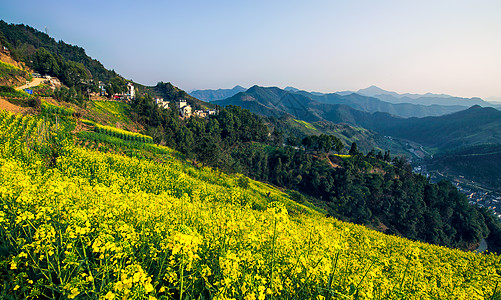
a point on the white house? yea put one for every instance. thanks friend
(131, 94)
(162, 103)
(185, 111)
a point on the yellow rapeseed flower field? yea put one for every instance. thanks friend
(87, 224)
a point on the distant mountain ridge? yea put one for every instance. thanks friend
(363, 103)
(372, 104)
(424, 99)
(214, 95)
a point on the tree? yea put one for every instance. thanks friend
(45, 62)
(74, 73)
(354, 149)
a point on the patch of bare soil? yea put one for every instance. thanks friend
(6, 105)
(7, 59)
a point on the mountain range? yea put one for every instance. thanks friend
(424, 99)
(219, 94)
(475, 125)
(371, 99)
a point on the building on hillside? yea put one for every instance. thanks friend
(182, 103)
(131, 94)
(212, 112)
(102, 89)
(185, 111)
(200, 113)
(162, 103)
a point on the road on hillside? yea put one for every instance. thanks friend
(35, 82)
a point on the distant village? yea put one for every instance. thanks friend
(489, 200)
(185, 109)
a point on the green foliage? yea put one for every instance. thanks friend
(10, 92)
(122, 134)
(354, 150)
(20, 98)
(51, 109)
(70, 95)
(243, 182)
(9, 71)
(323, 143)
(25, 41)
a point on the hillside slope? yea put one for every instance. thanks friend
(83, 223)
(473, 126)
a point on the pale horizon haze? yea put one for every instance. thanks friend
(450, 47)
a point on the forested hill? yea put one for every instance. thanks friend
(75, 68)
(284, 100)
(28, 44)
(169, 92)
(476, 125)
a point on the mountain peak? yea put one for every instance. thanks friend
(291, 89)
(374, 90)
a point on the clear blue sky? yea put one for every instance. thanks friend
(421, 46)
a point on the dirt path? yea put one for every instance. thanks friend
(35, 82)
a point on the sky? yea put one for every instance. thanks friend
(440, 46)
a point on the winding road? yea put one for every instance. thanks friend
(34, 82)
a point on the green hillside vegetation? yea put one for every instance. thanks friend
(294, 130)
(112, 113)
(51, 57)
(10, 74)
(474, 126)
(119, 133)
(48, 109)
(79, 223)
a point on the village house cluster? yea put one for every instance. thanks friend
(185, 110)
